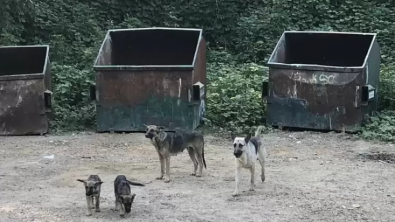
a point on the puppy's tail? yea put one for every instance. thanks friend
(259, 130)
(204, 161)
(135, 183)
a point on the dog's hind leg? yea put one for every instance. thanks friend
(252, 170)
(191, 152)
(88, 202)
(262, 161)
(200, 160)
(97, 203)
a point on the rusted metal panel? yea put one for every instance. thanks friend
(146, 76)
(24, 81)
(322, 80)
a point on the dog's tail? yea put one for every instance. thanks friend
(204, 161)
(259, 131)
(135, 183)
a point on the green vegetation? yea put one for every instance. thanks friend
(241, 34)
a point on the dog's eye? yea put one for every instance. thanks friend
(234, 145)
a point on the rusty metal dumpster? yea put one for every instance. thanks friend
(150, 76)
(323, 80)
(25, 90)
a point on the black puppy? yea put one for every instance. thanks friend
(123, 197)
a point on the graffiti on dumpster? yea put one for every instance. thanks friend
(322, 78)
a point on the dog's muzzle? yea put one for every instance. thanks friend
(149, 136)
(238, 154)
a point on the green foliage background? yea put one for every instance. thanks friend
(241, 35)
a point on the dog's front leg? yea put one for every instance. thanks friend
(116, 203)
(162, 166)
(122, 210)
(97, 203)
(167, 159)
(252, 170)
(88, 202)
(237, 179)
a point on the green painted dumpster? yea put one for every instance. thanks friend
(25, 90)
(150, 76)
(323, 80)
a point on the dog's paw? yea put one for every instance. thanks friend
(122, 215)
(193, 174)
(263, 178)
(198, 175)
(251, 189)
(167, 180)
(235, 194)
(98, 210)
(88, 214)
(159, 178)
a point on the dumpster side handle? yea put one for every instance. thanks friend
(92, 92)
(48, 98)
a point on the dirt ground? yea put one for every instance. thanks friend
(309, 177)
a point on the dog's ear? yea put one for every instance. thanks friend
(82, 181)
(162, 136)
(145, 125)
(161, 127)
(232, 136)
(99, 182)
(133, 196)
(247, 138)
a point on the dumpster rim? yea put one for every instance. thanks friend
(316, 67)
(322, 67)
(129, 67)
(22, 77)
(31, 46)
(142, 67)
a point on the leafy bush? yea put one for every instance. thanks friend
(234, 95)
(73, 109)
(380, 127)
(387, 87)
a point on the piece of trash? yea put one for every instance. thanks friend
(86, 157)
(356, 206)
(49, 157)
(298, 142)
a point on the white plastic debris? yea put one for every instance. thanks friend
(49, 157)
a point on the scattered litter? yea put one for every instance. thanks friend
(49, 157)
(298, 142)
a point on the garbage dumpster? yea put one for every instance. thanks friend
(150, 76)
(25, 90)
(323, 80)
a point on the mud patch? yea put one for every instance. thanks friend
(380, 157)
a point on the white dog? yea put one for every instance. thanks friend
(247, 150)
